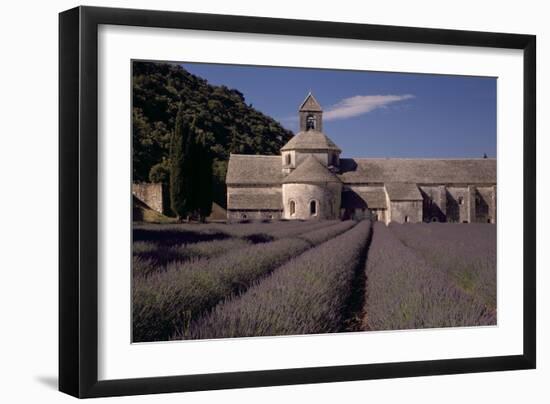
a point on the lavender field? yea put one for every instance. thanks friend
(196, 281)
(430, 275)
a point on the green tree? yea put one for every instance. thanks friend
(230, 125)
(180, 181)
(204, 178)
(161, 173)
(200, 170)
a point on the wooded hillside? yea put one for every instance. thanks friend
(229, 123)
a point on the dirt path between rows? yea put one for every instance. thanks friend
(354, 312)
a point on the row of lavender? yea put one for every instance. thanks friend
(167, 298)
(157, 245)
(307, 295)
(466, 253)
(302, 278)
(422, 276)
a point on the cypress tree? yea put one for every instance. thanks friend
(180, 181)
(191, 170)
(201, 161)
(205, 174)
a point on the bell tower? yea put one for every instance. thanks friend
(311, 115)
(310, 140)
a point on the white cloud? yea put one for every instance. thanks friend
(361, 104)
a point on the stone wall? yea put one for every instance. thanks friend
(486, 204)
(150, 194)
(471, 206)
(297, 157)
(458, 204)
(327, 196)
(493, 207)
(288, 161)
(435, 203)
(258, 190)
(318, 120)
(406, 211)
(241, 215)
(378, 215)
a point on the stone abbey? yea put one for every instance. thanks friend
(309, 180)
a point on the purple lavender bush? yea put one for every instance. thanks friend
(467, 253)
(307, 295)
(404, 291)
(186, 233)
(158, 256)
(167, 301)
(158, 253)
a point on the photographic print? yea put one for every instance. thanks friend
(271, 201)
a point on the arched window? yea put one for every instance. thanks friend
(310, 122)
(406, 219)
(313, 208)
(288, 159)
(461, 200)
(292, 208)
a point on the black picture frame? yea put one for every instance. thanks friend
(78, 201)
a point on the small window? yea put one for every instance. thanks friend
(292, 208)
(313, 208)
(461, 200)
(244, 216)
(334, 160)
(406, 219)
(288, 159)
(310, 122)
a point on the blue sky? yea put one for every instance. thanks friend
(373, 114)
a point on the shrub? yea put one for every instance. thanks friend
(466, 253)
(142, 266)
(167, 301)
(403, 291)
(166, 246)
(187, 233)
(158, 256)
(307, 295)
(169, 235)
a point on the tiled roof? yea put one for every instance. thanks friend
(246, 169)
(310, 171)
(398, 191)
(310, 140)
(267, 170)
(254, 201)
(419, 171)
(310, 104)
(374, 198)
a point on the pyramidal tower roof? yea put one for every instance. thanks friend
(310, 104)
(311, 170)
(310, 140)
